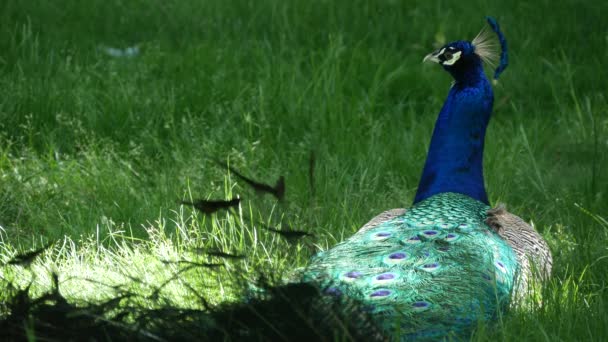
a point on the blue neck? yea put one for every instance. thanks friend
(455, 159)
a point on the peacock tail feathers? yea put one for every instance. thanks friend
(430, 272)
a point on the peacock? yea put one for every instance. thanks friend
(434, 271)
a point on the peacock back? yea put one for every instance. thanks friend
(433, 271)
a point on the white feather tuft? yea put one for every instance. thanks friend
(487, 46)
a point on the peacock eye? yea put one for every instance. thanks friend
(447, 56)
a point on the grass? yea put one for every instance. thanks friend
(97, 151)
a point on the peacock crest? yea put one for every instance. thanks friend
(486, 46)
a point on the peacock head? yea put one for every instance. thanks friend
(463, 54)
(454, 54)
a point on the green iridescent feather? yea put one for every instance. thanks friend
(431, 272)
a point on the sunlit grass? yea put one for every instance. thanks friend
(167, 264)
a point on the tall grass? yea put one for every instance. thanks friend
(97, 151)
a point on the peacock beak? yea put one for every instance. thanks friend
(432, 57)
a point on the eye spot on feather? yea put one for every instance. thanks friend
(351, 276)
(384, 278)
(379, 294)
(398, 255)
(430, 234)
(381, 236)
(486, 277)
(421, 306)
(445, 225)
(451, 237)
(413, 240)
(333, 291)
(431, 267)
(395, 258)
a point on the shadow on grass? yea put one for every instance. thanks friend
(271, 313)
